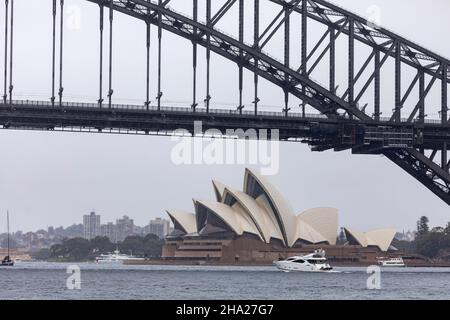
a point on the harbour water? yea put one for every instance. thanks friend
(39, 280)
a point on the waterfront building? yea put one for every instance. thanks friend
(109, 230)
(91, 226)
(259, 225)
(124, 228)
(159, 227)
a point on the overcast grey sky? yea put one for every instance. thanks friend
(55, 178)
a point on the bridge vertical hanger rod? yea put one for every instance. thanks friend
(208, 54)
(111, 17)
(444, 114)
(52, 99)
(5, 94)
(100, 95)
(256, 45)
(421, 96)
(194, 59)
(159, 56)
(398, 83)
(332, 61)
(147, 97)
(287, 63)
(61, 41)
(241, 54)
(304, 68)
(377, 75)
(11, 87)
(444, 155)
(351, 63)
(444, 94)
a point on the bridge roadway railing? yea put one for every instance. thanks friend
(219, 111)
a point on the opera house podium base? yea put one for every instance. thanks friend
(248, 251)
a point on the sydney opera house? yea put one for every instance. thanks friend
(258, 225)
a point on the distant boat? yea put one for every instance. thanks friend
(116, 257)
(7, 262)
(391, 262)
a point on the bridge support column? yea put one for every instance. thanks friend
(52, 99)
(241, 55)
(332, 61)
(100, 94)
(194, 59)
(147, 87)
(444, 94)
(351, 63)
(5, 93)
(111, 17)
(256, 45)
(287, 48)
(444, 160)
(61, 41)
(304, 66)
(160, 94)
(422, 97)
(377, 112)
(208, 55)
(398, 83)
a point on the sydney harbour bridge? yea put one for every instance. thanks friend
(352, 110)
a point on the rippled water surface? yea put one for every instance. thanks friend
(36, 280)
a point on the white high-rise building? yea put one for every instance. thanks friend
(159, 227)
(109, 231)
(124, 228)
(91, 226)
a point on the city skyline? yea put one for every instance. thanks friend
(80, 222)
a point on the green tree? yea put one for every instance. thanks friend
(102, 245)
(153, 246)
(422, 226)
(133, 245)
(447, 229)
(430, 244)
(43, 254)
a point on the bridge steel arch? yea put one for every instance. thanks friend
(409, 140)
(412, 159)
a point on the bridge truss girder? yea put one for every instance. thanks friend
(411, 156)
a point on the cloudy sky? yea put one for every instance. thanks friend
(55, 178)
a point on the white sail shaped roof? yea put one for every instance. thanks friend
(219, 188)
(359, 236)
(306, 232)
(232, 218)
(185, 220)
(259, 215)
(381, 238)
(256, 185)
(323, 220)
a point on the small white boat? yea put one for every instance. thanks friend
(313, 262)
(115, 257)
(392, 262)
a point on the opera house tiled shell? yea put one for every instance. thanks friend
(260, 211)
(381, 238)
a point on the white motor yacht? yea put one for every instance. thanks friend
(115, 257)
(314, 262)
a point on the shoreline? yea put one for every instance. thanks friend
(243, 264)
